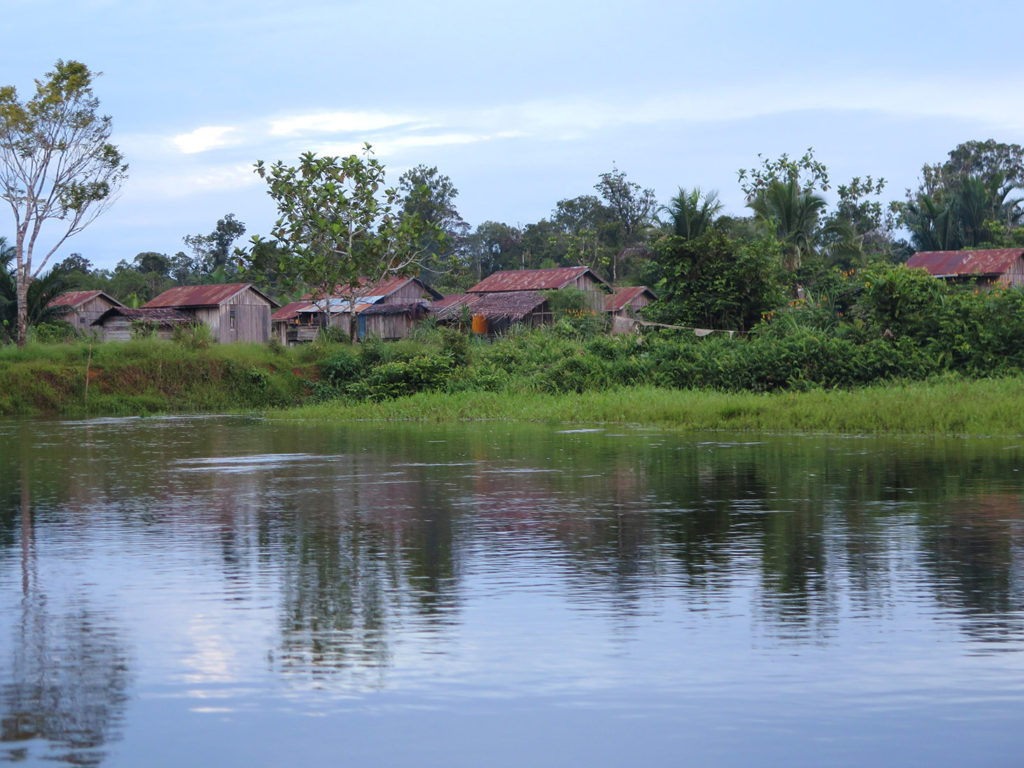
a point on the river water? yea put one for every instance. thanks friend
(236, 592)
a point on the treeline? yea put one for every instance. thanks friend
(711, 270)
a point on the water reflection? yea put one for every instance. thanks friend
(368, 559)
(68, 668)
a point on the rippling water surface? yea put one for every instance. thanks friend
(227, 591)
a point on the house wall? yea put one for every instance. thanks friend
(1015, 274)
(120, 329)
(83, 315)
(407, 294)
(387, 327)
(594, 290)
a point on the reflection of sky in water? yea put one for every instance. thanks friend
(545, 597)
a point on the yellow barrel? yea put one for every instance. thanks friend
(480, 324)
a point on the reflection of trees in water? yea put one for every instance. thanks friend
(975, 548)
(70, 676)
(69, 669)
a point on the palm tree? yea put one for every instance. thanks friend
(693, 212)
(792, 216)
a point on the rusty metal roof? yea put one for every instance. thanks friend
(196, 296)
(382, 289)
(533, 279)
(622, 296)
(410, 308)
(290, 311)
(994, 261)
(160, 315)
(509, 305)
(77, 298)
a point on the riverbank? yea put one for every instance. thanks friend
(946, 406)
(532, 378)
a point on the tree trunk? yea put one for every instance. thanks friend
(22, 294)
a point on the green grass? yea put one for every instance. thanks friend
(944, 406)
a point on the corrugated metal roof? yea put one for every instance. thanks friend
(381, 290)
(532, 279)
(159, 315)
(623, 296)
(290, 311)
(510, 305)
(77, 298)
(410, 308)
(993, 261)
(202, 295)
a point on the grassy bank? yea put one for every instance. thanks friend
(147, 376)
(534, 376)
(949, 406)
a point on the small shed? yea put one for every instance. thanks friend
(555, 279)
(234, 312)
(627, 300)
(992, 265)
(494, 313)
(390, 321)
(82, 308)
(122, 323)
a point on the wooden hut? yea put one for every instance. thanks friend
(494, 313)
(556, 279)
(994, 265)
(83, 308)
(390, 321)
(626, 301)
(234, 311)
(123, 323)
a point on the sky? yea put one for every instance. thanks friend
(521, 104)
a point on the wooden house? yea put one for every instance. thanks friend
(556, 279)
(626, 301)
(301, 321)
(1003, 266)
(493, 313)
(83, 308)
(123, 323)
(234, 312)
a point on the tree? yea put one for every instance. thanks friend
(693, 212)
(632, 207)
(782, 194)
(56, 165)
(430, 195)
(213, 251)
(969, 200)
(714, 281)
(340, 230)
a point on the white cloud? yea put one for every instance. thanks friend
(203, 139)
(336, 122)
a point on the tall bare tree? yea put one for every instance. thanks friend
(57, 166)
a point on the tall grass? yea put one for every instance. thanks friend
(944, 406)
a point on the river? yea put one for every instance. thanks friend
(233, 591)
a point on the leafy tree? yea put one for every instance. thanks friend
(213, 251)
(56, 165)
(632, 207)
(693, 212)
(717, 282)
(339, 234)
(430, 195)
(494, 246)
(783, 195)
(969, 200)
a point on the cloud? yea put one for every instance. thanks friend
(203, 139)
(336, 122)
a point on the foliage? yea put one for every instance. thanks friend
(212, 251)
(716, 282)
(958, 201)
(339, 233)
(429, 196)
(693, 212)
(57, 165)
